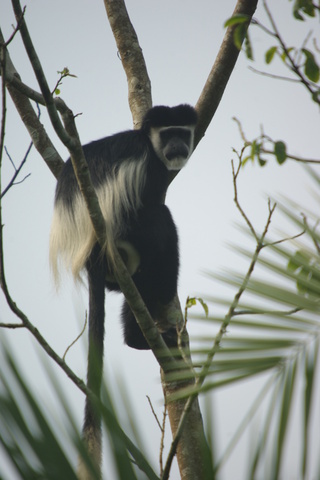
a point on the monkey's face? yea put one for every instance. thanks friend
(173, 145)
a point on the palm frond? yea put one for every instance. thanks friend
(274, 330)
(36, 450)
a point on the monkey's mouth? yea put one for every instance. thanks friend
(178, 152)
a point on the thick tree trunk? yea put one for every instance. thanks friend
(192, 450)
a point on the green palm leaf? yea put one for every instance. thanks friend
(274, 329)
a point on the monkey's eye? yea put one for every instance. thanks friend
(183, 134)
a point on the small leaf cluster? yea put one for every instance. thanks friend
(307, 270)
(241, 37)
(192, 301)
(65, 72)
(309, 64)
(304, 7)
(258, 152)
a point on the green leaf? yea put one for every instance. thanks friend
(306, 6)
(245, 160)
(239, 35)
(248, 47)
(236, 20)
(311, 68)
(297, 260)
(191, 301)
(270, 54)
(261, 161)
(316, 96)
(280, 152)
(255, 149)
(284, 54)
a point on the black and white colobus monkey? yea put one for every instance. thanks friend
(129, 172)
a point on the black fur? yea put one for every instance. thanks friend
(129, 171)
(146, 223)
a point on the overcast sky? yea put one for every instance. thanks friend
(180, 40)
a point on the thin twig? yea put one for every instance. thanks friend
(267, 312)
(76, 339)
(17, 171)
(16, 28)
(12, 325)
(287, 239)
(67, 140)
(235, 176)
(154, 413)
(271, 75)
(163, 431)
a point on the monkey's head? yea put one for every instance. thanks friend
(171, 131)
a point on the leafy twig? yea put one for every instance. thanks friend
(265, 138)
(292, 64)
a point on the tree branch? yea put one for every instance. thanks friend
(292, 64)
(29, 117)
(69, 142)
(220, 73)
(139, 85)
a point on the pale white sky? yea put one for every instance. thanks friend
(180, 40)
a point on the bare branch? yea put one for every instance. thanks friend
(12, 325)
(277, 77)
(29, 117)
(236, 201)
(218, 78)
(17, 171)
(16, 28)
(154, 413)
(163, 431)
(219, 75)
(139, 85)
(68, 141)
(267, 312)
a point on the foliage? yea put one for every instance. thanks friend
(303, 64)
(32, 441)
(274, 332)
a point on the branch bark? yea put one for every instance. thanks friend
(220, 73)
(139, 85)
(29, 117)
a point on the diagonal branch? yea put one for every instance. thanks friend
(69, 141)
(219, 75)
(29, 117)
(221, 71)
